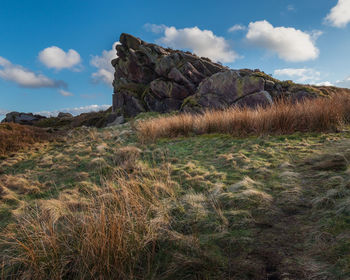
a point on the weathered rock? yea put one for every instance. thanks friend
(262, 98)
(22, 118)
(64, 115)
(192, 74)
(224, 88)
(130, 41)
(167, 76)
(152, 78)
(127, 104)
(117, 120)
(301, 95)
(269, 85)
(179, 78)
(167, 89)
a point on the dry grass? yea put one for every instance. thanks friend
(14, 137)
(283, 117)
(126, 157)
(20, 185)
(110, 235)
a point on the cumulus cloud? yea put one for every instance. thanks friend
(202, 42)
(300, 75)
(289, 43)
(236, 27)
(339, 16)
(65, 93)
(26, 78)
(105, 70)
(56, 58)
(75, 111)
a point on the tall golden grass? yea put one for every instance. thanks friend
(14, 137)
(111, 237)
(283, 117)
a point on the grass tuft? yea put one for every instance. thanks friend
(111, 237)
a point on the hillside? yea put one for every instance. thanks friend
(197, 172)
(102, 203)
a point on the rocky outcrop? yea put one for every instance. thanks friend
(151, 78)
(67, 120)
(64, 115)
(22, 118)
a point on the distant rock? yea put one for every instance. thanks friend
(22, 118)
(67, 120)
(64, 115)
(152, 78)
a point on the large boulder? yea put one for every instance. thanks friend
(223, 89)
(152, 78)
(262, 99)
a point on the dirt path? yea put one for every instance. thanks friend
(288, 245)
(282, 243)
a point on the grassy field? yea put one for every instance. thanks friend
(103, 204)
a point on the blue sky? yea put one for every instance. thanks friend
(55, 54)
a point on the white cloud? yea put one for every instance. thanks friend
(105, 72)
(290, 7)
(65, 93)
(299, 75)
(202, 42)
(54, 57)
(343, 83)
(26, 78)
(237, 27)
(339, 16)
(308, 76)
(75, 111)
(326, 83)
(155, 28)
(315, 34)
(3, 112)
(289, 43)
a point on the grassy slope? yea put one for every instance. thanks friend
(14, 137)
(252, 208)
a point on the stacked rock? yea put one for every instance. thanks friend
(152, 78)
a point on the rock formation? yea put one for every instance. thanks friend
(151, 78)
(64, 115)
(22, 118)
(66, 120)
